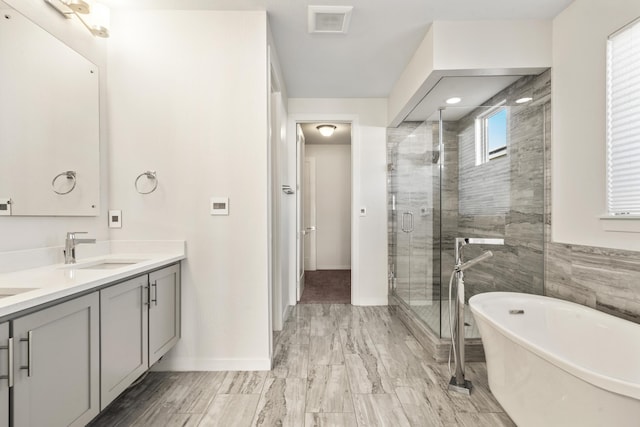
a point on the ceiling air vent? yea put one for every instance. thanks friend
(329, 19)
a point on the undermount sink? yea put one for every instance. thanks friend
(108, 265)
(9, 292)
(104, 264)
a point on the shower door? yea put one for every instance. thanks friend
(414, 172)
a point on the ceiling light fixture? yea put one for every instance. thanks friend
(326, 130)
(94, 16)
(453, 100)
(523, 99)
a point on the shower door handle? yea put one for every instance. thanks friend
(404, 227)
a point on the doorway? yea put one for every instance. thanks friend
(325, 175)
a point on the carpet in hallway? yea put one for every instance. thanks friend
(327, 287)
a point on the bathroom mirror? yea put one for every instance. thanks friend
(49, 123)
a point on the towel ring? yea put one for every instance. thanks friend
(69, 175)
(151, 175)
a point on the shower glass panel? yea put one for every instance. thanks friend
(474, 170)
(414, 227)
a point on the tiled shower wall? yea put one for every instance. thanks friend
(605, 279)
(504, 197)
(501, 198)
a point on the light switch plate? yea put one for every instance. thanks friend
(363, 211)
(5, 206)
(219, 206)
(115, 219)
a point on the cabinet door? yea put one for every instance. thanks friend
(123, 336)
(56, 365)
(164, 311)
(4, 374)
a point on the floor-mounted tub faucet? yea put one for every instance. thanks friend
(458, 382)
(70, 246)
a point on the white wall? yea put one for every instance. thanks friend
(578, 152)
(35, 232)
(467, 48)
(369, 186)
(188, 97)
(333, 205)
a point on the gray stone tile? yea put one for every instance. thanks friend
(330, 420)
(328, 389)
(326, 350)
(282, 403)
(243, 382)
(231, 410)
(290, 361)
(380, 410)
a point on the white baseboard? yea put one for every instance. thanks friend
(198, 364)
(333, 267)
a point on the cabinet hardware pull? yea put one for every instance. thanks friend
(145, 291)
(29, 342)
(155, 294)
(9, 376)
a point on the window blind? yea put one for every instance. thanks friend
(623, 121)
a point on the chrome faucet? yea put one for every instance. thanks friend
(70, 246)
(458, 383)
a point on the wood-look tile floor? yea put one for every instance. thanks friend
(334, 365)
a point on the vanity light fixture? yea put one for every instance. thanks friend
(326, 130)
(523, 99)
(453, 100)
(94, 16)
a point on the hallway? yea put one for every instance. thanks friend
(327, 287)
(334, 365)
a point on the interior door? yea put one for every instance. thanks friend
(300, 212)
(309, 196)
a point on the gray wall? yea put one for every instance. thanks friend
(505, 196)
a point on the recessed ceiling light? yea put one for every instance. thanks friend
(523, 100)
(453, 100)
(326, 130)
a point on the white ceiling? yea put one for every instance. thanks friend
(382, 37)
(341, 136)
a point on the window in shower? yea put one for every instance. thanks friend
(491, 134)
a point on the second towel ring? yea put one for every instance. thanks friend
(69, 175)
(151, 175)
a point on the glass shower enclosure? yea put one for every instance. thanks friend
(476, 169)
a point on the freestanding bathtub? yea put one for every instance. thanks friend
(555, 363)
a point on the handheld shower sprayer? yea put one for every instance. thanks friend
(458, 383)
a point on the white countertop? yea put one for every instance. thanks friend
(56, 281)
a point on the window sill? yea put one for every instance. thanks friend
(621, 223)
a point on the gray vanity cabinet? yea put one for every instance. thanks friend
(56, 364)
(164, 311)
(124, 335)
(4, 374)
